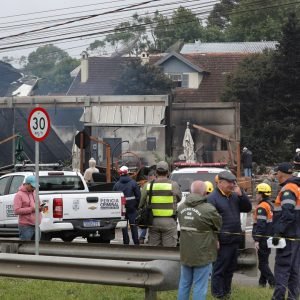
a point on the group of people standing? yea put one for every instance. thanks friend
(279, 219)
(210, 227)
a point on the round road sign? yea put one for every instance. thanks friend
(38, 124)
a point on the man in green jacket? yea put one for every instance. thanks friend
(199, 222)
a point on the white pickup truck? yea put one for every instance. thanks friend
(70, 210)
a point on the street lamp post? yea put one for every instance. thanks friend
(113, 151)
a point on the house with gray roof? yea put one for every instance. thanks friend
(229, 47)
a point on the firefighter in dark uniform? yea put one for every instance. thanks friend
(132, 192)
(262, 229)
(286, 224)
(229, 201)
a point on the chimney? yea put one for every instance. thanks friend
(144, 57)
(84, 67)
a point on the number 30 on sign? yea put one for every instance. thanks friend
(38, 124)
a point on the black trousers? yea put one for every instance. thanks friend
(287, 271)
(266, 275)
(223, 270)
(133, 228)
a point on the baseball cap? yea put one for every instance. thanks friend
(123, 170)
(162, 166)
(226, 175)
(284, 167)
(245, 149)
(297, 150)
(31, 180)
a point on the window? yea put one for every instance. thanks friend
(16, 182)
(180, 80)
(60, 183)
(3, 184)
(151, 143)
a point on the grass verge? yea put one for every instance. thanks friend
(31, 289)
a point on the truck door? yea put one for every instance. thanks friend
(3, 191)
(8, 201)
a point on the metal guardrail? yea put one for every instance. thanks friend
(247, 260)
(157, 275)
(152, 268)
(99, 251)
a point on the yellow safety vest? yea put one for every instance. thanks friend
(162, 200)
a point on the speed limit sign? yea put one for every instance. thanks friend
(38, 124)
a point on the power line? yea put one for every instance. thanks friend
(82, 18)
(63, 32)
(108, 31)
(94, 26)
(59, 9)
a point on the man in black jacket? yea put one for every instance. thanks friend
(132, 192)
(229, 201)
(286, 224)
(246, 160)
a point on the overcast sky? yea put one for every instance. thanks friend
(16, 16)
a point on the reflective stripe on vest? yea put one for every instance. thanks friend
(162, 200)
(130, 198)
(295, 189)
(269, 210)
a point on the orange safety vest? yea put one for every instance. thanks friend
(269, 210)
(295, 189)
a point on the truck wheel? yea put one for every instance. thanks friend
(46, 237)
(67, 239)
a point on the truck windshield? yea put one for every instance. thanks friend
(185, 179)
(60, 183)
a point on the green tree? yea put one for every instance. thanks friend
(266, 86)
(142, 79)
(185, 25)
(130, 37)
(220, 15)
(253, 20)
(53, 65)
(97, 47)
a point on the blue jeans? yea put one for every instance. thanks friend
(143, 233)
(247, 172)
(26, 232)
(193, 275)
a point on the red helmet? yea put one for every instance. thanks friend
(123, 170)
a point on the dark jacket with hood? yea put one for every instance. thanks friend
(247, 159)
(131, 191)
(230, 207)
(286, 218)
(199, 222)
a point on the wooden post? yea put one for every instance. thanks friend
(108, 163)
(81, 152)
(238, 160)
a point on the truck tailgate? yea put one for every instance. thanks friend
(86, 205)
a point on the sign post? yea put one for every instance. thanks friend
(39, 126)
